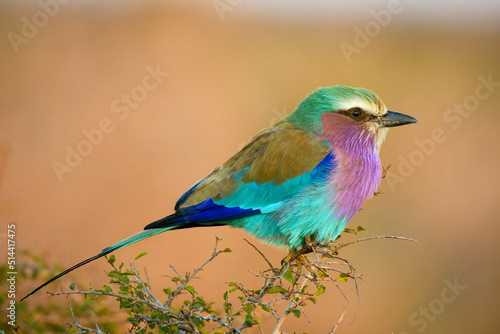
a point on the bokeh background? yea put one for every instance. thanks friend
(235, 67)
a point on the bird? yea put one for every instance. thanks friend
(297, 183)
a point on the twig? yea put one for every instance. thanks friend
(76, 323)
(261, 254)
(152, 303)
(189, 277)
(300, 308)
(288, 309)
(353, 275)
(146, 288)
(217, 319)
(336, 325)
(371, 238)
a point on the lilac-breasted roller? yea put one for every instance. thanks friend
(303, 178)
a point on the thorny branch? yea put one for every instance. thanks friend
(280, 295)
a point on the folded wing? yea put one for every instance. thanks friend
(279, 162)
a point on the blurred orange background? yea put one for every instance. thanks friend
(232, 72)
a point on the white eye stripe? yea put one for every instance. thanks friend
(366, 106)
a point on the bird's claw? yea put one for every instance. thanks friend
(298, 257)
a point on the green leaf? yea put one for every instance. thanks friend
(168, 330)
(72, 286)
(141, 254)
(248, 308)
(128, 272)
(249, 321)
(199, 303)
(167, 291)
(190, 289)
(125, 279)
(361, 228)
(228, 292)
(296, 313)
(176, 279)
(265, 308)
(343, 277)
(112, 259)
(322, 274)
(289, 277)
(227, 250)
(228, 307)
(312, 299)
(114, 273)
(124, 289)
(348, 230)
(125, 304)
(276, 289)
(320, 291)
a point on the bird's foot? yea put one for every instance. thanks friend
(304, 261)
(297, 256)
(293, 255)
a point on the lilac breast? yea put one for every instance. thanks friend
(358, 171)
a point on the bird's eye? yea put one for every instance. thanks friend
(355, 113)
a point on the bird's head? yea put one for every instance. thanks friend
(340, 112)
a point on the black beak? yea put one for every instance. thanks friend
(395, 119)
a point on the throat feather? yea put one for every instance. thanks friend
(358, 170)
